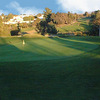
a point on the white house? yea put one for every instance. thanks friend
(41, 17)
(19, 19)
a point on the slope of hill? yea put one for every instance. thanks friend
(82, 25)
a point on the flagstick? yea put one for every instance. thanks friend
(23, 42)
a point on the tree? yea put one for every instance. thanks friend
(86, 14)
(10, 16)
(38, 15)
(44, 26)
(47, 14)
(96, 20)
(1, 19)
(30, 18)
(26, 19)
(64, 18)
(36, 21)
(1, 25)
(92, 14)
(7, 17)
(2, 14)
(51, 29)
(76, 16)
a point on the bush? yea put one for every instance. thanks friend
(14, 32)
(94, 31)
(78, 33)
(84, 35)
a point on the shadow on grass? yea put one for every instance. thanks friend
(86, 27)
(75, 78)
(23, 33)
(41, 48)
(76, 44)
(56, 79)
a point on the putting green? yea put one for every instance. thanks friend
(13, 49)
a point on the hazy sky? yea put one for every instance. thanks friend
(37, 6)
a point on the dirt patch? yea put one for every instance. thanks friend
(31, 32)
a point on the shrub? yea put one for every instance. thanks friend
(78, 33)
(14, 32)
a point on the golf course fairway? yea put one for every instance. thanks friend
(50, 68)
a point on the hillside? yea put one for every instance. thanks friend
(82, 25)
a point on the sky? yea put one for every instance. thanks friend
(38, 6)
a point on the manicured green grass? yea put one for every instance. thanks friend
(50, 68)
(81, 26)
